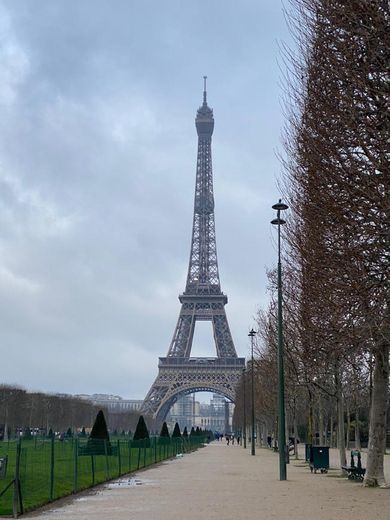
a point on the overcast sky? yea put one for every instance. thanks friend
(97, 172)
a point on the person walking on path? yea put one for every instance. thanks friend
(227, 439)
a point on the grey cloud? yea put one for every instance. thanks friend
(97, 172)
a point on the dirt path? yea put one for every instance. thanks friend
(227, 483)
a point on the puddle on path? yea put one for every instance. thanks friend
(128, 482)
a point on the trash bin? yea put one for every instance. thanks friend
(307, 452)
(319, 459)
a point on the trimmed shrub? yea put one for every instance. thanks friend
(164, 430)
(99, 429)
(164, 438)
(99, 439)
(141, 434)
(176, 431)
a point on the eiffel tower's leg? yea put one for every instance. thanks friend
(222, 336)
(154, 397)
(184, 332)
(180, 348)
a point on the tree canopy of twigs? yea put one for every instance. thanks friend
(336, 259)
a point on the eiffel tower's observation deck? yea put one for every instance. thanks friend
(202, 300)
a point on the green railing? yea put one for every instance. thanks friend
(39, 471)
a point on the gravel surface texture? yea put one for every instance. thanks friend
(227, 483)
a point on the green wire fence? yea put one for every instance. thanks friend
(35, 472)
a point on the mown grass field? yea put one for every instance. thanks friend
(52, 470)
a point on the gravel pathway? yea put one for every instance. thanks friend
(226, 483)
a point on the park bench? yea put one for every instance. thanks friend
(355, 472)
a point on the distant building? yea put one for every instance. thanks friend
(113, 403)
(183, 412)
(216, 416)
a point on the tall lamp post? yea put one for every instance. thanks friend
(280, 206)
(252, 335)
(244, 426)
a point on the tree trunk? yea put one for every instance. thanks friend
(276, 432)
(377, 431)
(295, 436)
(265, 433)
(331, 428)
(5, 438)
(357, 429)
(310, 420)
(321, 421)
(340, 419)
(348, 427)
(370, 380)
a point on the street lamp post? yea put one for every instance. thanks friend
(252, 334)
(280, 206)
(244, 425)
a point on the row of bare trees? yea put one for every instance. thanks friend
(336, 258)
(21, 410)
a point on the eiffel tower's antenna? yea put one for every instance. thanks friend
(204, 90)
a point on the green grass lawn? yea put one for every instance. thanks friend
(71, 472)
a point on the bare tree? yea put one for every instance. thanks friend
(337, 181)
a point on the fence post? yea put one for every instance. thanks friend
(129, 444)
(17, 498)
(139, 455)
(51, 489)
(93, 469)
(76, 464)
(119, 459)
(155, 450)
(106, 454)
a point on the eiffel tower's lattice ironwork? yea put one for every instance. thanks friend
(180, 374)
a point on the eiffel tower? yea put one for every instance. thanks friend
(178, 373)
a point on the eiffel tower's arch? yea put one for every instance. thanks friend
(180, 377)
(168, 402)
(202, 300)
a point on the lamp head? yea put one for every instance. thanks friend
(278, 221)
(279, 206)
